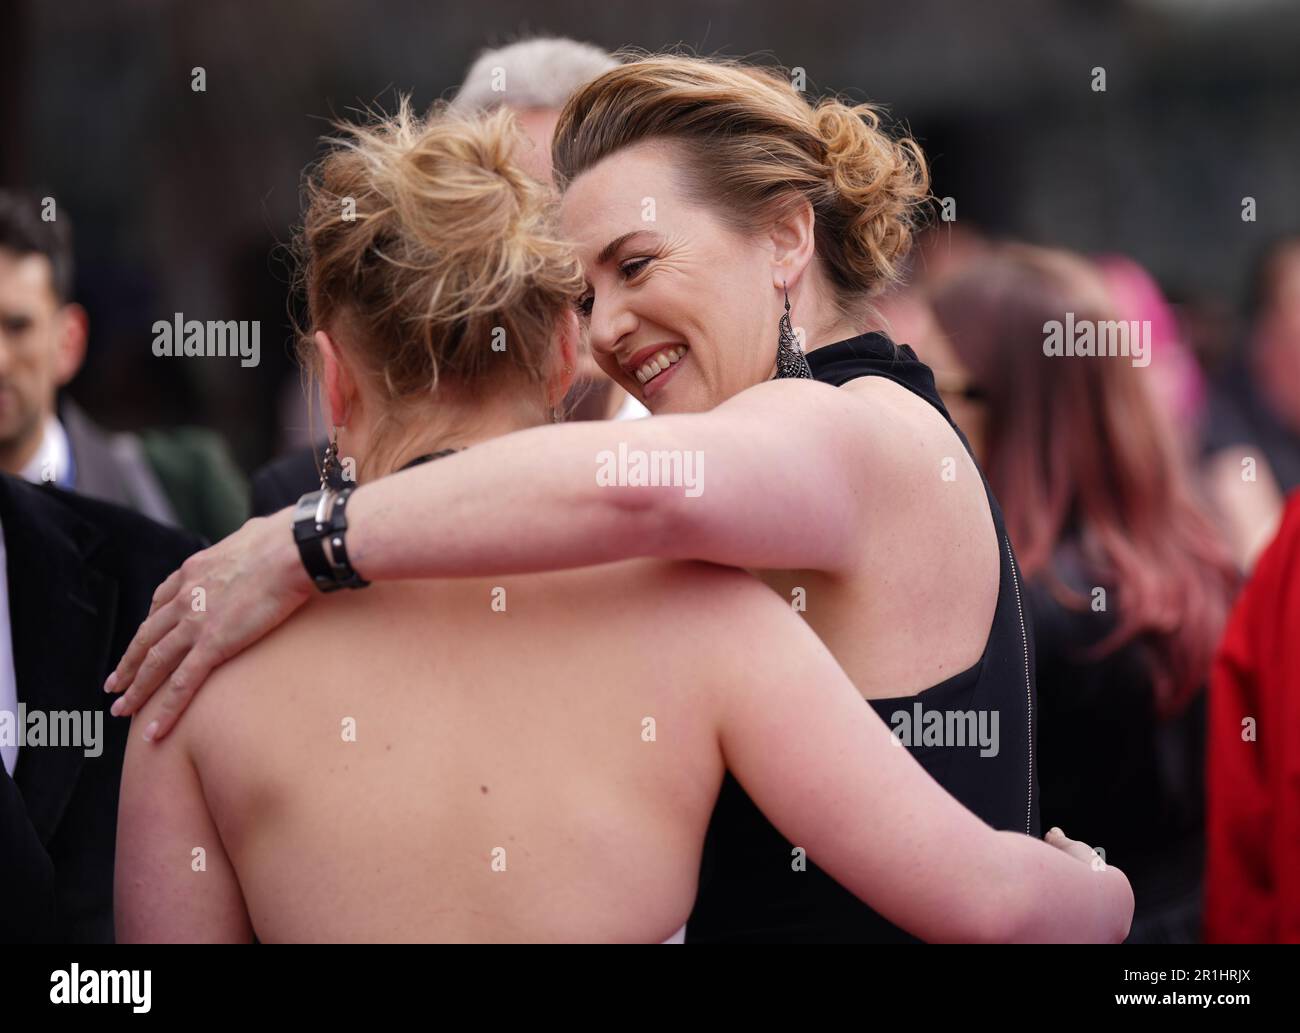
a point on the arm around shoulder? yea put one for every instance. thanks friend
(827, 772)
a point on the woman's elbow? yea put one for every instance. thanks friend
(1099, 912)
(654, 520)
(1000, 918)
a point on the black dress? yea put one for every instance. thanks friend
(749, 888)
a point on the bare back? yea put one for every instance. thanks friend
(411, 763)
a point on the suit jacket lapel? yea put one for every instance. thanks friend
(98, 473)
(61, 622)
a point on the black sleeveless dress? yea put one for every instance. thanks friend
(749, 890)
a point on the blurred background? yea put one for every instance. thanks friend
(1116, 159)
(180, 199)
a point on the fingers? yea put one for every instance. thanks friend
(160, 660)
(165, 592)
(1079, 851)
(159, 622)
(178, 692)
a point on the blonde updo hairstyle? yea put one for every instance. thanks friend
(423, 243)
(754, 149)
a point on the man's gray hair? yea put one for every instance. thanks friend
(533, 73)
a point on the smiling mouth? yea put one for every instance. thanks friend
(657, 363)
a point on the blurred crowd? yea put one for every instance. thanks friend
(1145, 501)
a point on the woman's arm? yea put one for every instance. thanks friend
(743, 477)
(765, 485)
(827, 772)
(165, 890)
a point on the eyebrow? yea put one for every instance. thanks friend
(607, 252)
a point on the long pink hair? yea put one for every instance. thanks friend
(1074, 446)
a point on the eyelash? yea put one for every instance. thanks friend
(584, 304)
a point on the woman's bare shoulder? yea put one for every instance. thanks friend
(707, 615)
(678, 591)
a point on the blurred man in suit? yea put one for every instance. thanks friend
(181, 477)
(78, 577)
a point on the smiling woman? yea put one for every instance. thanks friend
(850, 491)
(718, 161)
(657, 363)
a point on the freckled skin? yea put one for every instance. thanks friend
(401, 834)
(590, 832)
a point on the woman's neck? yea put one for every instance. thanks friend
(823, 320)
(840, 331)
(433, 428)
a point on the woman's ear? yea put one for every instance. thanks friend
(793, 244)
(340, 387)
(566, 352)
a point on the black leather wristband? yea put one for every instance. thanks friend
(319, 530)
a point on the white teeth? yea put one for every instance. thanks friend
(658, 363)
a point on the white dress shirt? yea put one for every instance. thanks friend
(52, 459)
(8, 680)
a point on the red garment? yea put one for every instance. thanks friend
(1252, 876)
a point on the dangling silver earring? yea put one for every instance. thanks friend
(790, 361)
(331, 474)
